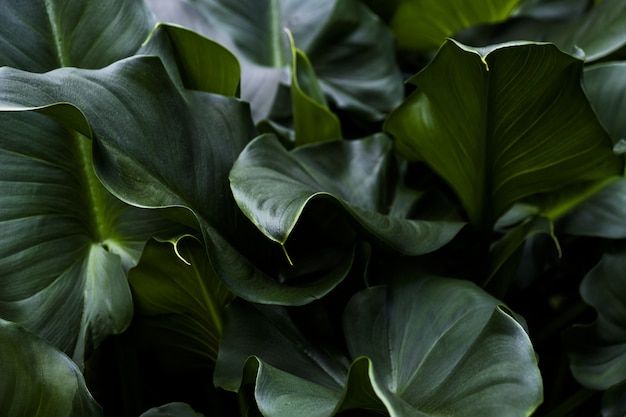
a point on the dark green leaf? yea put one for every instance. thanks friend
(273, 187)
(491, 123)
(605, 85)
(443, 347)
(358, 72)
(597, 352)
(179, 299)
(41, 35)
(39, 380)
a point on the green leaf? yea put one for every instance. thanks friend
(605, 85)
(359, 73)
(178, 299)
(291, 376)
(204, 65)
(598, 33)
(443, 347)
(172, 410)
(313, 120)
(425, 347)
(274, 187)
(39, 380)
(491, 123)
(425, 24)
(597, 352)
(42, 35)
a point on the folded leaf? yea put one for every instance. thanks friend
(274, 187)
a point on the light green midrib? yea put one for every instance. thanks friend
(92, 190)
(56, 34)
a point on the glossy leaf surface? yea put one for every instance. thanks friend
(273, 188)
(492, 123)
(358, 72)
(39, 380)
(605, 85)
(442, 347)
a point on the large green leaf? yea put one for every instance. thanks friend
(357, 73)
(491, 122)
(178, 300)
(274, 187)
(425, 347)
(597, 351)
(41, 35)
(424, 25)
(443, 347)
(39, 380)
(67, 242)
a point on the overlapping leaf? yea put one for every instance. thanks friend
(350, 49)
(425, 347)
(67, 242)
(493, 124)
(39, 380)
(424, 25)
(605, 85)
(273, 187)
(597, 352)
(179, 300)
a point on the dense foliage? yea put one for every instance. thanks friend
(312, 208)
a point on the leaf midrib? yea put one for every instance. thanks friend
(56, 34)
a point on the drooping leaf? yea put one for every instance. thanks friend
(172, 410)
(597, 351)
(357, 73)
(605, 85)
(273, 187)
(39, 380)
(443, 347)
(424, 25)
(43, 35)
(491, 123)
(178, 300)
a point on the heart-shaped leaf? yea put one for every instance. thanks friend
(39, 380)
(273, 187)
(443, 347)
(491, 123)
(358, 72)
(178, 300)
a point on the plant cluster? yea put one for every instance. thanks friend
(312, 208)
